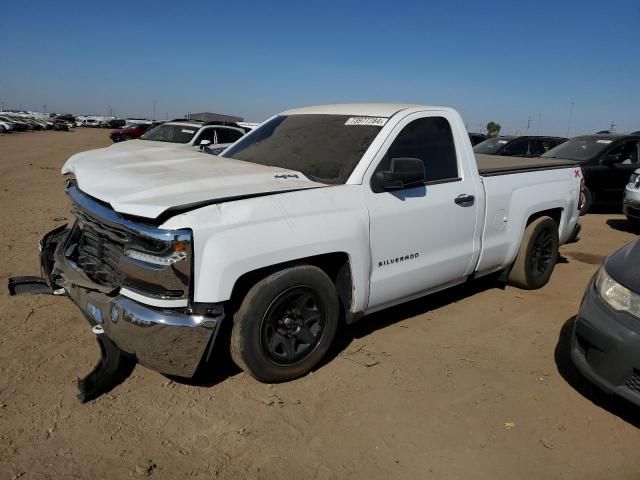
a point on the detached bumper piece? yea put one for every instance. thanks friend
(33, 285)
(114, 365)
(113, 368)
(575, 234)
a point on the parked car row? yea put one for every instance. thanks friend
(16, 123)
(607, 160)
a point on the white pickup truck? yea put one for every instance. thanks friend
(319, 215)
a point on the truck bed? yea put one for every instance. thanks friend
(492, 165)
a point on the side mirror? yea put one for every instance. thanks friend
(402, 173)
(610, 160)
(204, 143)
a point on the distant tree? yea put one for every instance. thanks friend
(493, 129)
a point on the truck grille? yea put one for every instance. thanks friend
(99, 248)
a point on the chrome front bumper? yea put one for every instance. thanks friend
(170, 341)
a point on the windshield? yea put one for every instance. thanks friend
(324, 148)
(171, 133)
(579, 148)
(490, 146)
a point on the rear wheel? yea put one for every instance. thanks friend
(127, 137)
(634, 223)
(537, 256)
(588, 201)
(285, 324)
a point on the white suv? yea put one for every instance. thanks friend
(212, 137)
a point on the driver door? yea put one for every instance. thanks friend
(425, 236)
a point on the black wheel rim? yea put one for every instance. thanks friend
(292, 326)
(542, 253)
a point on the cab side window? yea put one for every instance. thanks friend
(228, 135)
(207, 134)
(519, 148)
(430, 140)
(627, 153)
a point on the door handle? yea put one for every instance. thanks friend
(465, 200)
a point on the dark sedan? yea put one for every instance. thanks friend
(607, 161)
(606, 336)
(522, 146)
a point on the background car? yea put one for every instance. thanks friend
(523, 146)
(117, 123)
(61, 125)
(5, 126)
(476, 138)
(211, 137)
(607, 160)
(132, 132)
(89, 122)
(606, 334)
(18, 125)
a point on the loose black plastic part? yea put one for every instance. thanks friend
(28, 285)
(112, 369)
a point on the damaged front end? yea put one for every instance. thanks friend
(132, 284)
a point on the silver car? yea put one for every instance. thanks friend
(631, 202)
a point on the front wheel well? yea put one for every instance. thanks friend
(336, 265)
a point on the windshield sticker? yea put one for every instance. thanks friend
(603, 141)
(187, 131)
(371, 121)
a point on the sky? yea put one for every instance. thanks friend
(525, 65)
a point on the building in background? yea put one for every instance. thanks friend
(212, 117)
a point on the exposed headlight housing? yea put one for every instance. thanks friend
(617, 296)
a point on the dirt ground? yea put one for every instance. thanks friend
(473, 383)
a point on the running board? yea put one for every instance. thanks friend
(30, 285)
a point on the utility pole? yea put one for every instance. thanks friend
(612, 128)
(570, 118)
(528, 123)
(44, 108)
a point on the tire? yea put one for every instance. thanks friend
(634, 223)
(285, 324)
(537, 256)
(588, 201)
(127, 137)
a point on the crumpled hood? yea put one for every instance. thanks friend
(146, 181)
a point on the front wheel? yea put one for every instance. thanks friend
(285, 324)
(537, 256)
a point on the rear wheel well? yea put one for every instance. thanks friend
(336, 265)
(554, 213)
